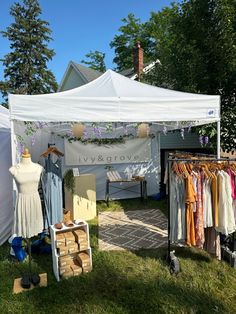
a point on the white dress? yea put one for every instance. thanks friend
(28, 220)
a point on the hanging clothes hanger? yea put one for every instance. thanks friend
(52, 150)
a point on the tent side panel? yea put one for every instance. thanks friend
(6, 197)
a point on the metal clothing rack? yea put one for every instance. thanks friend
(174, 157)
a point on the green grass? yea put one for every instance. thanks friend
(132, 204)
(124, 282)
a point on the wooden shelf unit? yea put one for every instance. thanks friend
(55, 256)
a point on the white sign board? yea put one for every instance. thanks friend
(132, 151)
(75, 172)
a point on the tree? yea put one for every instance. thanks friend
(195, 43)
(97, 60)
(131, 32)
(196, 47)
(26, 69)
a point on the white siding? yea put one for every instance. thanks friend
(72, 80)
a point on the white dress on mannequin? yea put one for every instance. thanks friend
(28, 220)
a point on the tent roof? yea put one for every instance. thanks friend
(112, 98)
(4, 118)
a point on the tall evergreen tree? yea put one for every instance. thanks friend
(26, 69)
(96, 60)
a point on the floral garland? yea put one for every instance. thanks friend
(33, 127)
(100, 141)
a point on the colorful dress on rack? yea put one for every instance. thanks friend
(177, 208)
(190, 199)
(226, 213)
(198, 215)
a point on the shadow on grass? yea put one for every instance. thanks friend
(181, 252)
(112, 287)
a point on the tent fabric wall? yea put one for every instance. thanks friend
(115, 98)
(6, 190)
(151, 169)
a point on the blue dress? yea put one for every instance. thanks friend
(52, 190)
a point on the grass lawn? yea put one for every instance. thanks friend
(125, 282)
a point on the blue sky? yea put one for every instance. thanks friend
(80, 26)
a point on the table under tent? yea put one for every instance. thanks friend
(6, 204)
(111, 99)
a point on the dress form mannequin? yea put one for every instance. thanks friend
(28, 220)
(28, 212)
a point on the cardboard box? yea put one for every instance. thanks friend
(64, 260)
(87, 269)
(83, 259)
(83, 247)
(64, 269)
(67, 274)
(69, 237)
(83, 242)
(60, 240)
(63, 250)
(77, 270)
(80, 235)
(73, 248)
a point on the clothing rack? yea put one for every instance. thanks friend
(173, 157)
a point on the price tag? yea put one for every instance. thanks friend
(76, 172)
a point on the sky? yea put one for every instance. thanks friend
(79, 27)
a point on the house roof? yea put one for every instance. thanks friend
(87, 73)
(130, 73)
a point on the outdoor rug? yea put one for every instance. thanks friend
(132, 230)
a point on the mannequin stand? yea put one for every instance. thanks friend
(29, 278)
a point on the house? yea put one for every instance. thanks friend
(77, 75)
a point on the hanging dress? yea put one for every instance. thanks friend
(52, 189)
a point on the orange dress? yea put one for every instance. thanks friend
(190, 199)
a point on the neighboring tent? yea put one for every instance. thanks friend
(6, 203)
(115, 98)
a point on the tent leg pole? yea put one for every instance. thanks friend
(218, 140)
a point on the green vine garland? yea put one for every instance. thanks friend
(100, 141)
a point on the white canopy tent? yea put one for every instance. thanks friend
(6, 203)
(114, 98)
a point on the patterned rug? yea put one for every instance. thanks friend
(132, 230)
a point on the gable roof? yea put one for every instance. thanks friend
(88, 75)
